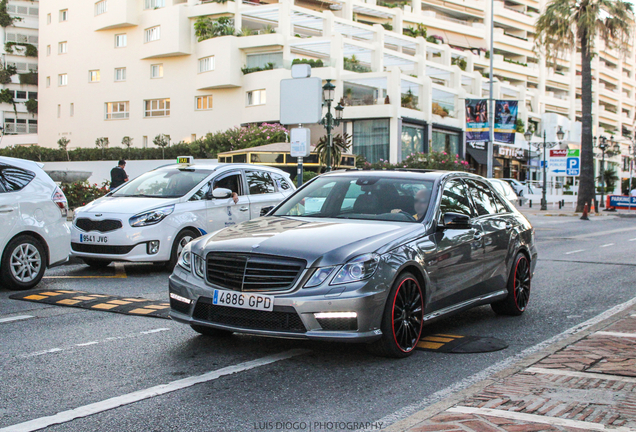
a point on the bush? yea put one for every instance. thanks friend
(248, 70)
(311, 62)
(433, 160)
(81, 193)
(243, 137)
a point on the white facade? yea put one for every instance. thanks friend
(135, 68)
(20, 49)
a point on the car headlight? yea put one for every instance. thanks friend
(185, 260)
(319, 276)
(198, 263)
(151, 217)
(359, 268)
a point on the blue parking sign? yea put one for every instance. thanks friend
(573, 166)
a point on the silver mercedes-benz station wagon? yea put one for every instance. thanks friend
(361, 256)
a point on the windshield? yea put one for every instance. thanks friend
(372, 198)
(163, 183)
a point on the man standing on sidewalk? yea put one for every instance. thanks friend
(118, 175)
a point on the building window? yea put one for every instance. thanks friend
(48, 50)
(262, 60)
(156, 71)
(120, 40)
(206, 64)
(64, 15)
(93, 76)
(144, 142)
(62, 48)
(256, 97)
(101, 7)
(412, 140)
(72, 110)
(153, 34)
(445, 141)
(371, 139)
(157, 108)
(116, 110)
(154, 4)
(59, 111)
(48, 81)
(62, 80)
(204, 102)
(48, 18)
(120, 74)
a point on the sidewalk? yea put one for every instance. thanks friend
(587, 382)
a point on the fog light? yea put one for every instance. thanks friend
(153, 247)
(322, 315)
(337, 321)
(177, 297)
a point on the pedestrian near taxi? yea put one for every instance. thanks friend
(118, 175)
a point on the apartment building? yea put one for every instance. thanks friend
(138, 68)
(19, 70)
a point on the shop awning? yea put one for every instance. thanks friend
(481, 156)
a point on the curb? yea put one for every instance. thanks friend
(519, 366)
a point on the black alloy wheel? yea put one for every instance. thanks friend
(519, 285)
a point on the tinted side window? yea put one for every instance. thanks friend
(482, 198)
(201, 193)
(231, 182)
(259, 182)
(281, 182)
(501, 206)
(13, 179)
(454, 198)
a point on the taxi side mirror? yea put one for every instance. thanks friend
(456, 221)
(266, 210)
(221, 193)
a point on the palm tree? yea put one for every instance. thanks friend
(577, 23)
(340, 145)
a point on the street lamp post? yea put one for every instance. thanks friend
(611, 148)
(329, 121)
(545, 144)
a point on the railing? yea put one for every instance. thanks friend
(21, 128)
(454, 20)
(515, 10)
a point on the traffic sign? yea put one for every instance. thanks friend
(300, 141)
(573, 162)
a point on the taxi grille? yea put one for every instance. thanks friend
(252, 272)
(283, 318)
(101, 249)
(105, 225)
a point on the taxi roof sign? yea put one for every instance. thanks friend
(185, 160)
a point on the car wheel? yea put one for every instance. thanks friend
(23, 263)
(182, 239)
(402, 320)
(519, 283)
(96, 263)
(209, 331)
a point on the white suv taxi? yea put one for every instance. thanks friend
(152, 217)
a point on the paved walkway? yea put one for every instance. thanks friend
(585, 384)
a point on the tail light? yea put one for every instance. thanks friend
(60, 200)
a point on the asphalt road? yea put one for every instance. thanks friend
(64, 358)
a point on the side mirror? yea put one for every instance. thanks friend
(456, 221)
(266, 210)
(221, 193)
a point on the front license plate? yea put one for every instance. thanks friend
(91, 238)
(243, 300)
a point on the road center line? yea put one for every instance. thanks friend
(15, 318)
(575, 251)
(607, 245)
(115, 402)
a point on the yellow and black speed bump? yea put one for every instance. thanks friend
(99, 302)
(455, 344)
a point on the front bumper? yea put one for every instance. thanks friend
(367, 303)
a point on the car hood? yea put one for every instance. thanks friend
(320, 242)
(128, 205)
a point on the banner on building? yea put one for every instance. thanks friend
(505, 120)
(477, 127)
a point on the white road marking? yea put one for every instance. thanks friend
(634, 239)
(534, 418)
(402, 413)
(607, 245)
(108, 339)
(115, 402)
(15, 318)
(615, 334)
(575, 251)
(589, 375)
(602, 233)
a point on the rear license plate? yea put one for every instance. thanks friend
(243, 300)
(91, 238)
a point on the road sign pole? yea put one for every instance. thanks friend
(299, 176)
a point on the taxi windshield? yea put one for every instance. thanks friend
(163, 183)
(364, 197)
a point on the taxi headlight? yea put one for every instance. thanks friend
(151, 217)
(198, 263)
(357, 269)
(185, 260)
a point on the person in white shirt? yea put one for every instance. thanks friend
(633, 192)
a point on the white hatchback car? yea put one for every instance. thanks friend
(152, 217)
(34, 232)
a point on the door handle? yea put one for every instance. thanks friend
(6, 209)
(244, 208)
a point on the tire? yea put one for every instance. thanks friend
(400, 342)
(519, 285)
(23, 263)
(182, 239)
(96, 263)
(212, 332)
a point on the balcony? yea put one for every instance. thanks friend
(119, 13)
(175, 33)
(227, 63)
(211, 9)
(513, 18)
(512, 42)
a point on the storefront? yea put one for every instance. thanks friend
(477, 157)
(512, 161)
